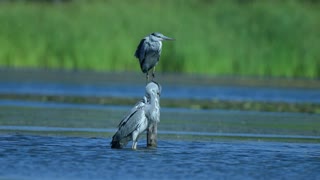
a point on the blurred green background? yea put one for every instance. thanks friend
(259, 38)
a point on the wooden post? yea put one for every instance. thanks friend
(152, 136)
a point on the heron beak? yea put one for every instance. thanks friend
(168, 38)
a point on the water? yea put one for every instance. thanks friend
(59, 157)
(174, 87)
(170, 91)
(57, 140)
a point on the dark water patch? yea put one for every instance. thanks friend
(58, 157)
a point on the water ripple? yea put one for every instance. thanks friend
(58, 157)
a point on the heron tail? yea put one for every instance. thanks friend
(115, 143)
(118, 142)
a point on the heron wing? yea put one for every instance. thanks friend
(132, 123)
(135, 121)
(141, 50)
(137, 106)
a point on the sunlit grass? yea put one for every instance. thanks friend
(253, 38)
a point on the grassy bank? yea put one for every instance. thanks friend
(251, 38)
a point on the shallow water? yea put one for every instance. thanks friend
(71, 141)
(57, 140)
(60, 157)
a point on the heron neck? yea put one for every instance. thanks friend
(154, 102)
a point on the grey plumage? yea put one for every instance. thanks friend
(149, 51)
(145, 112)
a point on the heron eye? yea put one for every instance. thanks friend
(156, 35)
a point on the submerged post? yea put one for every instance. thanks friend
(152, 141)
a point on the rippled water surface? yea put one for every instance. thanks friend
(59, 157)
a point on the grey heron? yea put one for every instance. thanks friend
(145, 112)
(149, 51)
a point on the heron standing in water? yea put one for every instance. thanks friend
(149, 51)
(143, 114)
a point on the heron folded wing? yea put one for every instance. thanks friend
(141, 50)
(133, 122)
(137, 106)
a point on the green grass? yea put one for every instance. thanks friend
(251, 38)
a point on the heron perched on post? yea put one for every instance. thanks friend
(145, 112)
(149, 51)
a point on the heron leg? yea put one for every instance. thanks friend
(134, 145)
(153, 70)
(134, 140)
(147, 80)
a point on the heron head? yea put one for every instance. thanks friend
(153, 88)
(159, 37)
